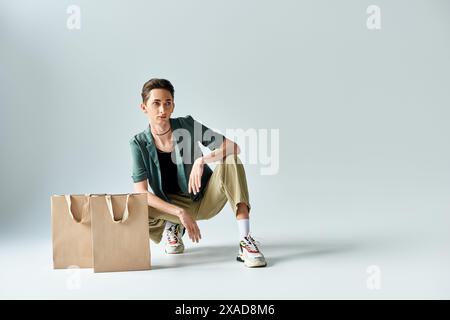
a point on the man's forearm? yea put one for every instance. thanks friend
(221, 152)
(164, 206)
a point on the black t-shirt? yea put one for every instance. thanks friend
(168, 172)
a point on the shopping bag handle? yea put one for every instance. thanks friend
(111, 212)
(83, 211)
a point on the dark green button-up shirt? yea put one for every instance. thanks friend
(186, 134)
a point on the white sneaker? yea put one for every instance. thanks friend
(174, 241)
(250, 254)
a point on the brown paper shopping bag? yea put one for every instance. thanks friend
(120, 232)
(71, 231)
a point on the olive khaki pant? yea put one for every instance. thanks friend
(227, 183)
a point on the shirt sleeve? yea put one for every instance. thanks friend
(210, 138)
(139, 173)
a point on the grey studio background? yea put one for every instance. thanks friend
(364, 176)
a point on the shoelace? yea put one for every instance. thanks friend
(253, 240)
(172, 234)
(252, 243)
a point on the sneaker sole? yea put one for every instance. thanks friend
(176, 251)
(250, 265)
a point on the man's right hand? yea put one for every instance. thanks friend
(191, 226)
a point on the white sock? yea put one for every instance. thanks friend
(244, 227)
(169, 224)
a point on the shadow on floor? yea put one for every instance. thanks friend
(305, 250)
(274, 252)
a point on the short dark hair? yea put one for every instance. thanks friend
(156, 84)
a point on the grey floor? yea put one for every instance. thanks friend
(309, 260)
(359, 207)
